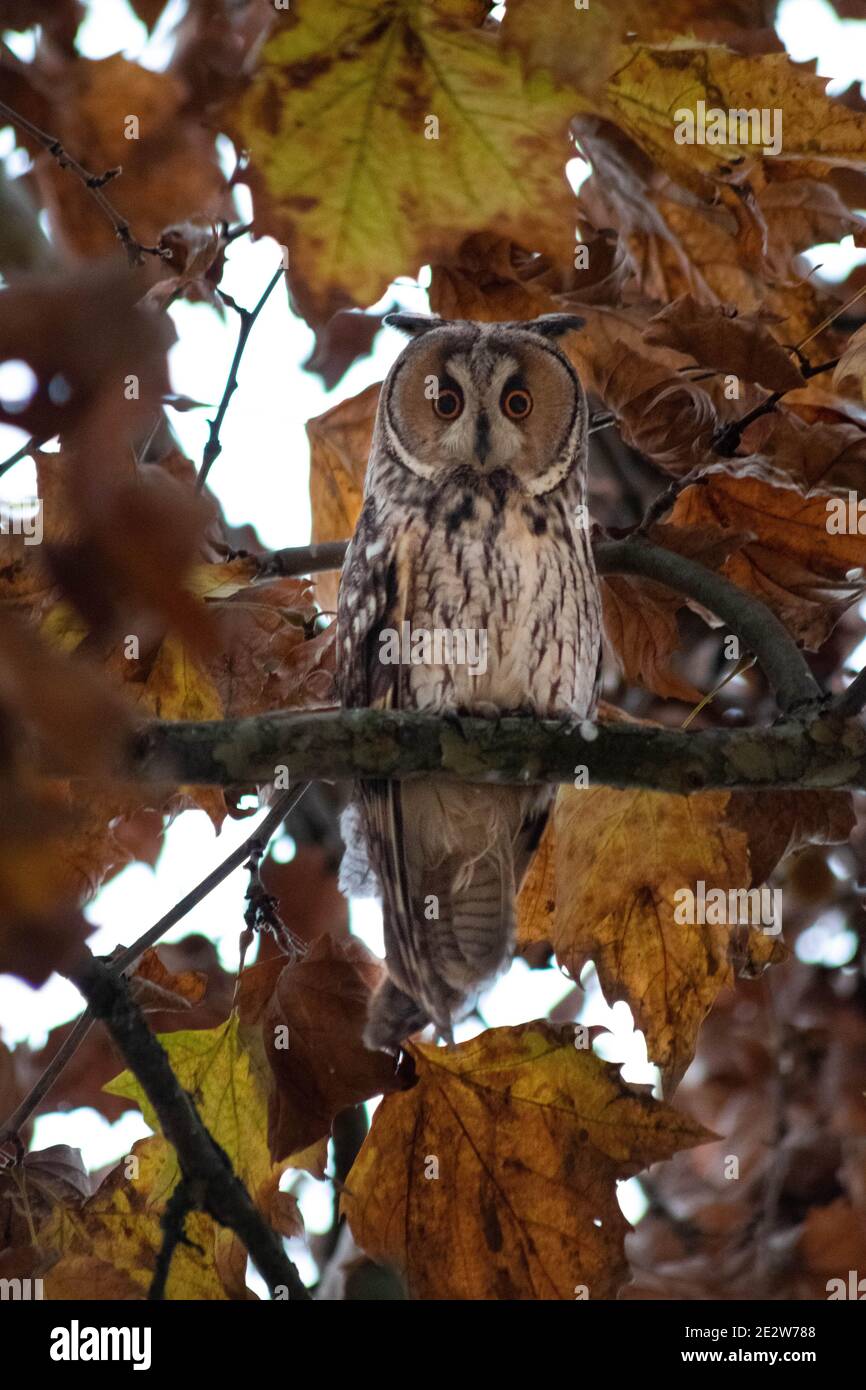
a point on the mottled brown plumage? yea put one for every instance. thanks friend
(474, 521)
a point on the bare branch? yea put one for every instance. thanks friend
(94, 183)
(213, 448)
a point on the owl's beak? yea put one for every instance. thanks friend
(482, 437)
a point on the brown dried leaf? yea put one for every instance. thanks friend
(715, 337)
(312, 1016)
(339, 448)
(795, 565)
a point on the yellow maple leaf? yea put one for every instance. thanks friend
(654, 85)
(108, 1247)
(495, 1175)
(617, 862)
(226, 1075)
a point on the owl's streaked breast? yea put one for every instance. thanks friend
(522, 576)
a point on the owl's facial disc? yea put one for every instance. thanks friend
(491, 402)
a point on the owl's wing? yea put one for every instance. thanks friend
(376, 592)
(369, 602)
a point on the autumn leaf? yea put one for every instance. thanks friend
(171, 171)
(108, 1248)
(228, 1084)
(84, 327)
(495, 1175)
(312, 1015)
(339, 448)
(640, 623)
(644, 849)
(799, 568)
(624, 919)
(653, 85)
(741, 346)
(852, 364)
(347, 338)
(345, 172)
(578, 44)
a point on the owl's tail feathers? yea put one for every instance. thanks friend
(472, 939)
(392, 1018)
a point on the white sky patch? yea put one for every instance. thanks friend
(812, 29)
(100, 1143)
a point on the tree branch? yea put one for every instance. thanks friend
(205, 1166)
(94, 183)
(757, 627)
(823, 752)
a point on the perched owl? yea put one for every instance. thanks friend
(469, 587)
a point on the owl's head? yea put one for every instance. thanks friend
(492, 398)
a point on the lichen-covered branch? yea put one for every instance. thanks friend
(823, 751)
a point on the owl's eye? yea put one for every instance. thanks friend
(517, 404)
(448, 404)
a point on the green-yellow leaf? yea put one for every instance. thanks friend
(654, 83)
(381, 134)
(227, 1080)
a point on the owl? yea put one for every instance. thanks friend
(468, 589)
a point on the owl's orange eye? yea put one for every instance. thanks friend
(517, 404)
(448, 404)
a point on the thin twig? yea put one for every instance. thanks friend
(213, 448)
(281, 808)
(29, 447)
(94, 183)
(662, 504)
(177, 1208)
(727, 441)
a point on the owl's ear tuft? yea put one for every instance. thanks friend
(554, 325)
(413, 324)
